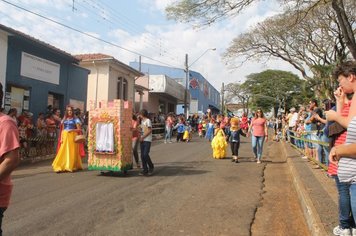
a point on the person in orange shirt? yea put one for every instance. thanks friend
(9, 157)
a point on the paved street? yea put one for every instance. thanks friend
(190, 193)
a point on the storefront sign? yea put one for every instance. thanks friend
(40, 69)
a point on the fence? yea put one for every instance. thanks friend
(158, 130)
(31, 148)
(312, 145)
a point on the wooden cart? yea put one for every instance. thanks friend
(110, 137)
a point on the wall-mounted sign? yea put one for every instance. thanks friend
(40, 69)
(194, 83)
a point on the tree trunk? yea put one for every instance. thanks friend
(346, 28)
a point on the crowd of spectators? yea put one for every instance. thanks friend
(42, 132)
(307, 129)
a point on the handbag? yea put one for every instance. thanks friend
(79, 138)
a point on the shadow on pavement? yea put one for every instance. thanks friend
(158, 171)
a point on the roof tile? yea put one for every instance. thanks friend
(93, 56)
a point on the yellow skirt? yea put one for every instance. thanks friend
(68, 157)
(185, 135)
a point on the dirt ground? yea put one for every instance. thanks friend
(280, 211)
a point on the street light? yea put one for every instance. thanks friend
(187, 66)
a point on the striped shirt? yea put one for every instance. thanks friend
(347, 166)
(340, 139)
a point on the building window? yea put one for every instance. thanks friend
(122, 88)
(16, 97)
(55, 100)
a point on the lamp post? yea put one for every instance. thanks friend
(187, 66)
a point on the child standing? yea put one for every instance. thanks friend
(23, 139)
(210, 130)
(219, 145)
(180, 130)
(204, 127)
(187, 132)
(200, 129)
(234, 138)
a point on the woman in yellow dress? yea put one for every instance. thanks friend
(68, 156)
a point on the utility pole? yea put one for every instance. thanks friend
(186, 86)
(222, 98)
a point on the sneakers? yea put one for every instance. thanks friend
(150, 172)
(258, 162)
(342, 232)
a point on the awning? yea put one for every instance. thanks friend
(140, 88)
(214, 108)
(162, 84)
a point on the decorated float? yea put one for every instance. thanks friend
(109, 137)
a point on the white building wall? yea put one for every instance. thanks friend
(97, 83)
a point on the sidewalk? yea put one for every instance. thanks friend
(316, 191)
(32, 160)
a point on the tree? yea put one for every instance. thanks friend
(270, 88)
(313, 45)
(206, 12)
(342, 9)
(238, 92)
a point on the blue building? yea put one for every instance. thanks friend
(38, 75)
(203, 95)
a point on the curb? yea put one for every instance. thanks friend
(312, 217)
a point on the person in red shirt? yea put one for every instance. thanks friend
(9, 157)
(244, 122)
(169, 128)
(135, 134)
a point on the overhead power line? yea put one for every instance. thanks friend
(87, 34)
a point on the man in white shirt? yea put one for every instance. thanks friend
(146, 139)
(292, 123)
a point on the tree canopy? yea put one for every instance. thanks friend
(275, 89)
(206, 12)
(311, 35)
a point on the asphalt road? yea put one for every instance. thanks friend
(190, 193)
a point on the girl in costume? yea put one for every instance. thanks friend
(219, 145)
(244, 122)
(68, 157)
(210, 130)
(180, 127)
(204, 127)
(234, 138)
(187, 132)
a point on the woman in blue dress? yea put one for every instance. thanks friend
(210, 130)
(68, 156)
